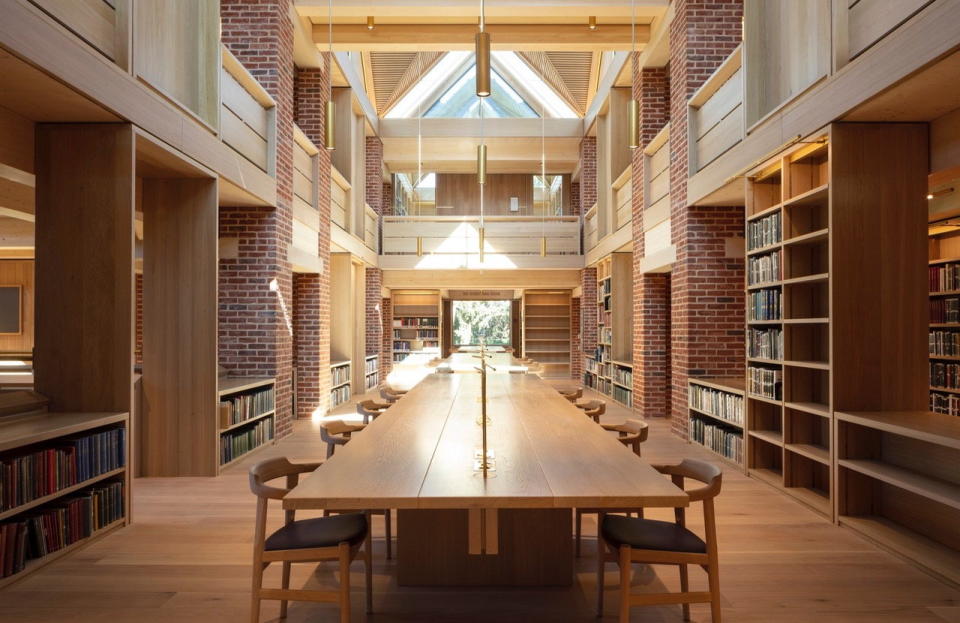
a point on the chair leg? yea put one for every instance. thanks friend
(258, 568)
(329, 449)
(625, 583)
(714, 578)
(285, 584)
(601, 560)
(368, 568)
(684, 587)
(579, 520)
(344, 583)
(386, 521)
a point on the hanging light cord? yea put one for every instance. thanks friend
(483, 19)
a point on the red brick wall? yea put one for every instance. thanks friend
(588, 172)
(374, 319)
(138, 343)
(306, 344)
(651, 309)
(588, 313)
(575, 198)
(374, 173)
(576, 359)
(310, 95)
(706, 288)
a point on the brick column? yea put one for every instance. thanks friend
(311, 88)
(387, 205)
(256, 286)
(588, 313)
(576, 333)
(651, 305)
(706, 287)
(306, 338)
(588, 172)
(575, 198)
(374, 173)
(374, 317)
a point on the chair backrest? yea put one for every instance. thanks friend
(369, 407)
(594, 407)
(705, 473)
(329, 428)
(262, 473)
(636, 427)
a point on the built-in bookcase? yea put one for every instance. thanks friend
(340, 382)
(246, 416)
(416, 323)
(371, 372)
(716, 412)
(609, 369)
(944, 329)
(788, 410)
(91, 455)
(546, 330)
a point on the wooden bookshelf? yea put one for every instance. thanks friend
(36, 431)
(416, 323)
(788, 243)
(609, 369)
(261, 415)
(371, 372)
(546, 330)
(340, 382)
(899, 484)
(717, 416)
(944, 329)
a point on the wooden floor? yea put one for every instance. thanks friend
(186, 559)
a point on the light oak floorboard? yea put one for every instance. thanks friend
(186, 559)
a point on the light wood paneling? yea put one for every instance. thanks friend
(84, 266)
(459, 194)
(786, 48)
(179, 420)
(870, 20)
(94, 21)
(19, 273)
(178, 52)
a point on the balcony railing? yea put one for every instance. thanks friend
(716, 113)
(247, 115)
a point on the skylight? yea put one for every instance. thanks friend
(446, 91)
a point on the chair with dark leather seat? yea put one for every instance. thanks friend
(631, 433)
(627, 540)
(337, 538)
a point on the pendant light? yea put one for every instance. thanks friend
(482, 43)
(634, 112)
(481, 176)
(328, 134)
(370, 23)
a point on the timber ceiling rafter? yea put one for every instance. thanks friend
(567, 73)
(393, 73)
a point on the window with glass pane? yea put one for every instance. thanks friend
(460, 101)
(476, 320)
(413, 196)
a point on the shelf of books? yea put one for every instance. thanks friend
(64, 483)
(609, 369)
(717, 416)
(788, 410)
(944, 330)
(246, 416)
(340, 382)
(546, 330)
(416, 323)
(371, 372)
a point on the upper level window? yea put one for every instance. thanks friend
(460, 101)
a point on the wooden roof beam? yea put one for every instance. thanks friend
(514, 37)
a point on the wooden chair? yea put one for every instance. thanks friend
(371, 409)
(653, 542)
(389, 394)
(307, 540)
(571, 394)
(337, 433)
(593, 408)
(631, 433)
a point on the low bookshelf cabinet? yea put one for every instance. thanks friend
(49, 511)
(246, 417)
(340, 382)
(716, 415)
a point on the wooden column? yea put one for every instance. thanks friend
(180, 430)
(83, 355)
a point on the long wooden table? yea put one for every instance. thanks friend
(457, 528)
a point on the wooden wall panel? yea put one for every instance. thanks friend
(19, 273)
(945, 142)
(94, 21)
(180, 433)
(178, 52)
(879, 313)
(870, 20)
(83, 356)
(459, 194)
